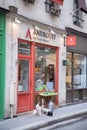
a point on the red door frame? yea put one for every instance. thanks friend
(57, 68)
(30, 94)
(32, 67)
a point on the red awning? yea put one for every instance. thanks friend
(60, 2)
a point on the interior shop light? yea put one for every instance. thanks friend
(17, 20)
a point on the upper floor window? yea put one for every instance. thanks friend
(79, 8)
(52, 7)
(29, 1)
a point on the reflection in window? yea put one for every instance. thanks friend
(76, 72)
(23, 76)
(24, 48)
(69, 71)
(45, 61)
(79, 70)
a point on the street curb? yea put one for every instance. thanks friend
(40, 124)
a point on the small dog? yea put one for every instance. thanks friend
(39, 108)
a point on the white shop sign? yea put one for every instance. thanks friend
(40, 36)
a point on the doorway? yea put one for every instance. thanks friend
(24, 94)
(76, 77)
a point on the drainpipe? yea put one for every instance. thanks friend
(12, 97)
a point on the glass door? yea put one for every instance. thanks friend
(75, 77)
(23, 75)
(24, 78)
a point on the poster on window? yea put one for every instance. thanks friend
(77, 80)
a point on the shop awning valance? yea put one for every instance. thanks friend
(60, 2)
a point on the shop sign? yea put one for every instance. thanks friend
(71, 41)
(40, 35)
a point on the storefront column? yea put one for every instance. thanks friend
(32, 73)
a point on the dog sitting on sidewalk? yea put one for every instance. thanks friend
(39, 108)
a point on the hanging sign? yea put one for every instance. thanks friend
(71, 41)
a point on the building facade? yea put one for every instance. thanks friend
(76, 83)
(35, 50)
(2, 60)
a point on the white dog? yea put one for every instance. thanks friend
(39, 108)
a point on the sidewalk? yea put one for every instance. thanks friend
(31, 122)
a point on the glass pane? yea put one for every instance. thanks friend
(23, 75)
(24, 48)
(69, 71)
(79, 70)
(45, 61)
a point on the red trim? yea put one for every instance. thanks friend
(24, 56)
(32, 74)
(24, 99)
(24, 41)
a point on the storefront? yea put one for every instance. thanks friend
(37, 67)
(34, 64)
(76, 72)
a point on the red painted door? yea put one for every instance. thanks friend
(24, 91)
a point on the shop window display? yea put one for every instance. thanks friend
(45, 61)
(76, 72)
(79, 71)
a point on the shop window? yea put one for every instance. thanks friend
(23, 75)
(79, 71)
(24, 48)
(45, 62)
(52, 7)
(76, 72)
